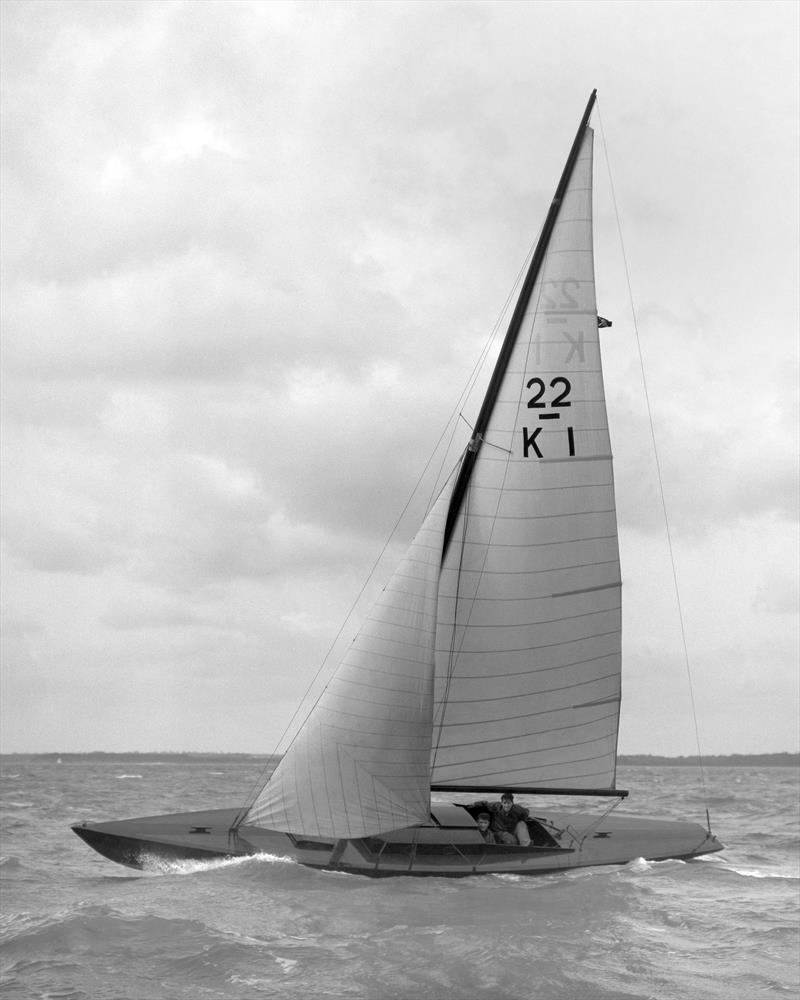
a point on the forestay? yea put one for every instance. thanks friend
(528, 636)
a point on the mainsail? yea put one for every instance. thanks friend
(528, 623)
(492, 658)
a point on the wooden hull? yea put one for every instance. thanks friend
(450, 845)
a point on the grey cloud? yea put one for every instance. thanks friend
(56, 549)
(249, 258)
(153, 610)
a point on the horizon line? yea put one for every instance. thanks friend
(263, 755)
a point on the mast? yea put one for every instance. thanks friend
(468, 461)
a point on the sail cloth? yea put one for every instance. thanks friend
(498, 664)
(360, 765)
(528, 634)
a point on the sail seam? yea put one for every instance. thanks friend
(531, 715)
(400, 742)
(419, 630)
(524, 736)
(486, 488)
(535, 767)
(578, 458)
(542, 517)
(535, 572)
(402, 696)
(384, 656)
(573, 459)
(544, 670)
(584, 682)
(537, 545)
(545, 621)
(388, 713)
(553, 432)
(528, 598)
(544, 781)
(391, 589)
(542, 645)
(591, 345)
(375, 669)
(552, 371)
(400, 607)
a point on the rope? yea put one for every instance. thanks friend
(658, 467)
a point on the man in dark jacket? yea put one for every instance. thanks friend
(508, 821)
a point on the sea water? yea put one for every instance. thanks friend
(75, 925)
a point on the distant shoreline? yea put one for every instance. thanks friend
(626, 760)
(714, 760)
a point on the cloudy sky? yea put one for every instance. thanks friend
(251, 254)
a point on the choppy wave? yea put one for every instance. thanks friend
(76, 926)
(154, 864)
(758, 873)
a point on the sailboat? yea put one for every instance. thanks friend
(491, 660)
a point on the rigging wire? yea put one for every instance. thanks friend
(452, 423)
(658, 467)
(473, 378)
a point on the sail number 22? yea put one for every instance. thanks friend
(561, 389)
(559, 400)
